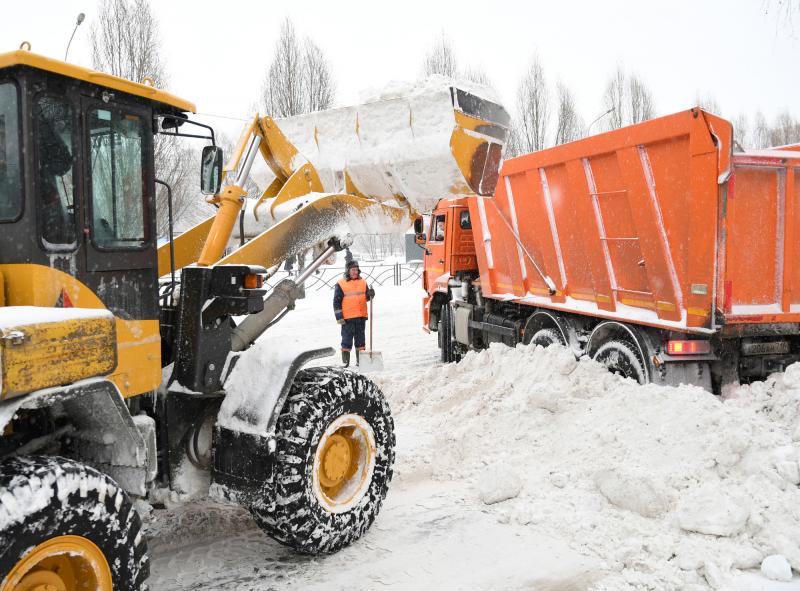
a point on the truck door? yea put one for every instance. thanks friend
(435, 255)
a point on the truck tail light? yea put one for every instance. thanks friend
(688, 347)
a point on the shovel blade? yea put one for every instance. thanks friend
(370, 361)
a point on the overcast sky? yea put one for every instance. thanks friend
(737, 51)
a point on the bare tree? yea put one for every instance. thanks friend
(283, 85)
(708, 103)
(569, 126)
(741, 131)
(533, 108)
(477, 75)
(614, 100)
(441, 59)
(640, 100)
(319, 84)
(125, 42)
(628, 99)
(785, 131)
(761, 132)
(299, 79)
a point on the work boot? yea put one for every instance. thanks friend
(357, 357)
(346, 358)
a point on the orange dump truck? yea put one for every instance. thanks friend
(655, 249)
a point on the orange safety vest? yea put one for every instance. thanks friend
(354, 302)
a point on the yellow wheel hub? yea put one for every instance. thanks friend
(64, 563)
(344, 462)
(337, 459)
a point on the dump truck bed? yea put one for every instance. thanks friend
(658, 223)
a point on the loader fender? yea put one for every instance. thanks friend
(244, 437)
(105, 434)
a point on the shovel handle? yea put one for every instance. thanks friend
(370, 328)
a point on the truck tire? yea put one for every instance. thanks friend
(447, 344)
(72, 522)
(622, 358)
(546, 337)
(333, 462)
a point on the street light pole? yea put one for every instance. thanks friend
(599, 117)
(78, 22)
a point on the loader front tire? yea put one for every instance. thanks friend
(333, 462)
(64, 525)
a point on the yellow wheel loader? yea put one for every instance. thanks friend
(118, 357)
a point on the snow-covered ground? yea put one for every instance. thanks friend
(526, 469)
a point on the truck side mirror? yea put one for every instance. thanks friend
(419, 232)
(211, 170)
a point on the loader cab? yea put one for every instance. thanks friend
(77, 197)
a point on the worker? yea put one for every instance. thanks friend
(350, 299)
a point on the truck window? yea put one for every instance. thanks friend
(55, 192)
(437, 228)
(464, 221)
(10, 184)
(117, 185)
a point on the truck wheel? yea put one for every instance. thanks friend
(546, 337)
(333, 462)
(67, 526)
(622, 358)
(449, 352)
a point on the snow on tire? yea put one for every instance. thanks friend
(333, 462)
(546, 337)
(55, 509)
(449, 354)
(622, 358)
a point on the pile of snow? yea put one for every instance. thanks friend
(536, 471)
(667, 487)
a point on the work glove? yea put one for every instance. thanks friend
(370, 293)
(340, 321)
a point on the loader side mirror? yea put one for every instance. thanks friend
(211, 170)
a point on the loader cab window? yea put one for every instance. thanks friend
(437, 228)
(464, 220)
(55, 192)
(118, 196)
(10, 177)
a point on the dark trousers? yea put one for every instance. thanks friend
(353, 329)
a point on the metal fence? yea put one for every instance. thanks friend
(378, 274)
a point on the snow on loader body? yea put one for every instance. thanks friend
(87, 327)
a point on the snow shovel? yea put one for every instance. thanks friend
(370, 360)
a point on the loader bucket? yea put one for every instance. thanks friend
(412, 147)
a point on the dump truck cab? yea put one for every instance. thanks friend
(449, 254)
(77, 200)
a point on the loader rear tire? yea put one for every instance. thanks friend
(65, 525)
(333, 462)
